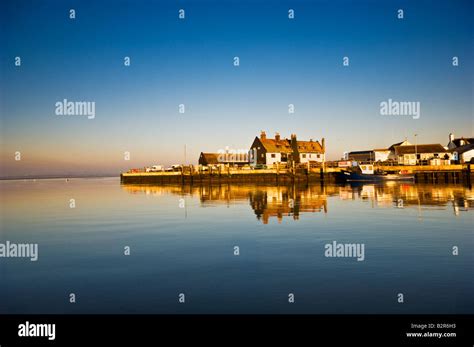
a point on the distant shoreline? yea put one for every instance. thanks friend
(18, 178)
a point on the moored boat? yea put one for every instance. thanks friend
(366, 173)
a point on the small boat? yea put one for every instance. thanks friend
(366, 173)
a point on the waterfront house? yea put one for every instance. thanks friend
(459, 142)
(208, 159)
(463, 154)
(375, 155)
(461, 149)
(224, 157)
(392, 155)
(433, 154)
(381, 154)
(277, 150)
(310, 151)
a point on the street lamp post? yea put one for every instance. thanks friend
(416, 152)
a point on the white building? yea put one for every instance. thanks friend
(462, 148)
(463, 154)
(272, 151)
(459, 142)
(381, 154)
(420, 154)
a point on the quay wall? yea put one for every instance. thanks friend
(253, 177)
(423, 174)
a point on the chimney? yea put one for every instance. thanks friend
(323, 145)
(451, 137)
(294, 147)
(277, 137)
(263, 136)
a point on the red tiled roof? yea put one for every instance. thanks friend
(272, 145)
(284, 146)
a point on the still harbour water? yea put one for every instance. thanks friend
(184, 240)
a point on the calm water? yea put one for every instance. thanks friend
(182, 241)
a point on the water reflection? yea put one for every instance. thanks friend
(292, 200)
(287, 201)
(175, 248)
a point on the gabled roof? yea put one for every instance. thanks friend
(309, 147)
(431, 148)
(463, 149)
(211, 158)
(284, 146)
(397, 144)
(468, 140)
(274, 146)
(392, 147)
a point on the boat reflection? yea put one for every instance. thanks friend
(402, 195)
(278, 202)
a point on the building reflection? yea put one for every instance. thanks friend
(292, 201)
(406, 195)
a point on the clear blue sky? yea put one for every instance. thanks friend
(190, 61)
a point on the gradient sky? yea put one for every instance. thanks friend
(190, 61)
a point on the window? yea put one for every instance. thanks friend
(273, 155)
(436, 155)
(318, 156)
(303, 155)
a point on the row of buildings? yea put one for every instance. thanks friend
(458, 150)
(270, 151)
(278, 150)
